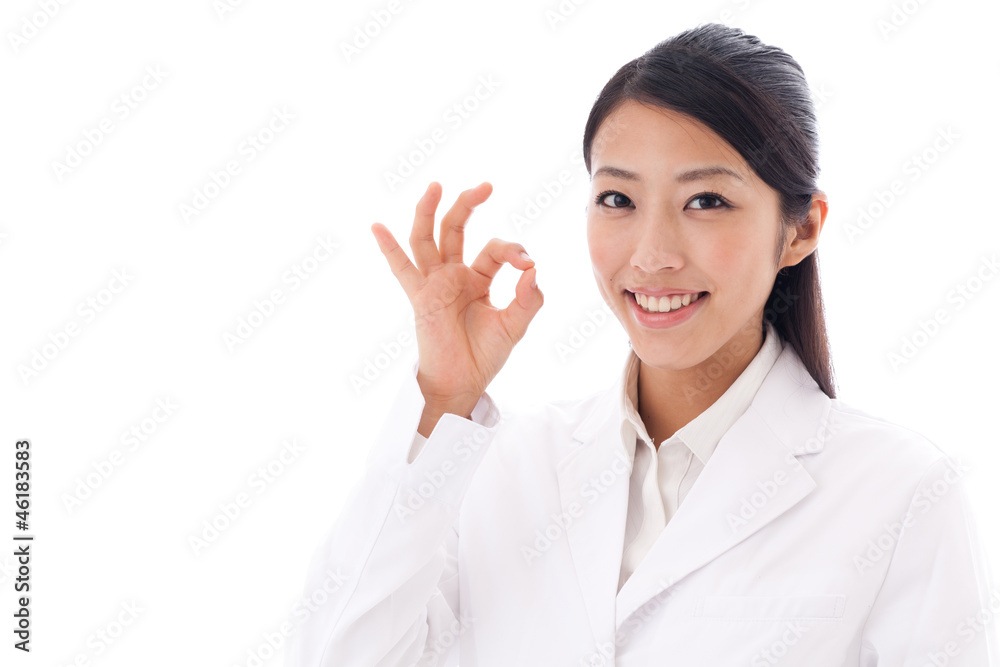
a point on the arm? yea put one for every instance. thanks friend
(396, 544)
(936, 592)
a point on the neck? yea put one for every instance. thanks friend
(670, 398)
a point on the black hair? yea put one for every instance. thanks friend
(757, 99)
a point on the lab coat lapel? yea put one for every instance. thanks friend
(594, 477)
(752, 478)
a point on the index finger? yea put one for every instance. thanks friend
(409, 276)
(425, 252)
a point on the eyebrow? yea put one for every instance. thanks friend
(683, 177)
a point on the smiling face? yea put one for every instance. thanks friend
(676, 211)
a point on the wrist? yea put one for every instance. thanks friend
(433, 412)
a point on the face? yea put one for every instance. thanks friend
(677, 216)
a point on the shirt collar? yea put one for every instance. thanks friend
(703, 433)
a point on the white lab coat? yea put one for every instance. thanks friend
(816, 535)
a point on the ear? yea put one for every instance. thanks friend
(806, 236)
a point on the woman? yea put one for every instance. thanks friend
(716, 504)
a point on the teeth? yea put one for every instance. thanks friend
(665, 304)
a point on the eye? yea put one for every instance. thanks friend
(617, 199)
(705, 201)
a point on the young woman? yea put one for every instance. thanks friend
(716, 504)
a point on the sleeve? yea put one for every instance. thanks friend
(393, 549)
(935, 605)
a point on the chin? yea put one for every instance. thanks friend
(668, 356)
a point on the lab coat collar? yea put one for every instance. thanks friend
(788, 418)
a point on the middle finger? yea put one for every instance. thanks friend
(453, 223)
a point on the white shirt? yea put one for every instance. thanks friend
(661, 478)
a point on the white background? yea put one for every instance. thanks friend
(882, 98)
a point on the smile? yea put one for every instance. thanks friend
(665, 304)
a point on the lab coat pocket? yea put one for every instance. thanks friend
(770, 608)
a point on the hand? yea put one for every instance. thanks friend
(462, 339)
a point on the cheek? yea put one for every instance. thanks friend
(607, 253)
(722, 257)
(739, 266)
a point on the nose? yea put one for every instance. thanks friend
(659, 244)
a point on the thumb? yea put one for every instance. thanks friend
(527, 301)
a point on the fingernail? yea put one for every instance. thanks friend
(525, 256)
(534, 281)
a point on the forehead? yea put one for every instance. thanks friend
(655, 139)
